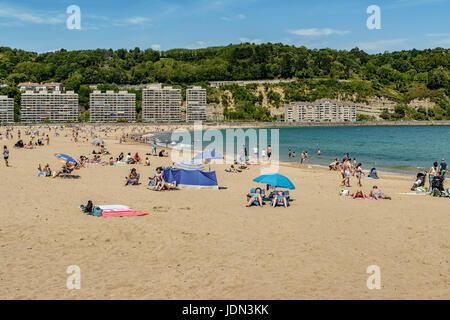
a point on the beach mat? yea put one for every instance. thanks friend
(108, 213)
(412, 193)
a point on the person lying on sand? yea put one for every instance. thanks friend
(256, 196)
(168, 186)
(278, 196)
(378, 194)
(133, 178)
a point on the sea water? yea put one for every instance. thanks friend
(400, 149)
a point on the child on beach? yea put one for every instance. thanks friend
(6, 155)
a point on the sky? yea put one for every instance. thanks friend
(40, 25)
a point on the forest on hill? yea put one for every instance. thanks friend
(399, 76)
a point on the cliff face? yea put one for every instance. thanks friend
(373, 106)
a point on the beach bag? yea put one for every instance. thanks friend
(97, 212)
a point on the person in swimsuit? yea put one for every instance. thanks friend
(6, 155)
(269, 151)
(279, 197)
(378, 194)
(358, 172)
(346, 173)
(256, 196)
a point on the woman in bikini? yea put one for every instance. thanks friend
(279, 197)
(256, 196)
(378, 194)
(358, 172)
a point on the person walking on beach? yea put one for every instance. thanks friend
(6, 155)
(347, 172)
(443, 168)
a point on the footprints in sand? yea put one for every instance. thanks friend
(162, 209)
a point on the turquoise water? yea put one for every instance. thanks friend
(404, 149)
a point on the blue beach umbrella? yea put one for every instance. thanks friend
(189, 165)
(276, 180)
(35, 131)
(66, 159)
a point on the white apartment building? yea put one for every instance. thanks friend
(110, 106)
(320, 111)
(55, 106)
(6, 109)
(195, 104)
(161, 104)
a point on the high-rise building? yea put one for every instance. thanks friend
(6, 109)
(55, 106)
(195, 104)
(322, 110)
(161, 104)
(110, 106)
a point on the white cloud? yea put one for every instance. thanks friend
(31, 17)
(315, 32)
(438, 34)
(381, 45)
(156, 47)
(255, 41)
(137, 20)
(239, 16)
(198, 45)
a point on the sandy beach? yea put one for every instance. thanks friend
(205, 244)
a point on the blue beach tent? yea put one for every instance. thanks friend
(195, 179)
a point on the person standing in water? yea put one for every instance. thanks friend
(290, 153)
(318, 152)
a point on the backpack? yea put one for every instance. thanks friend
(88, 207)
(97, 212)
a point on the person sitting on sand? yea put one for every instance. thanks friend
(378, 194)
(136, 158)
(46, 172)
(147, 162)
(256, 196)
(103, 150)
(278, 196)
(129, 159)
(358, 195)
(120, 157)
(66, 169)
(111, 161)
(373, 173)
(133, 178)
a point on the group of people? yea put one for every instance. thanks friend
(303, 156)
(157, 181)
(277, 198)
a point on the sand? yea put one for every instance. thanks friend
(205, 244)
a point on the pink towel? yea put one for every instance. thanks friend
(121, 213)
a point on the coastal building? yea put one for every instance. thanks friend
(195, 104)
(33, 86)
(6, 109)
(110, 106)
(29, 86)
(161, 103)
(55, 106)
(322, 110)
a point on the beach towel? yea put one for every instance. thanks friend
(107, 213)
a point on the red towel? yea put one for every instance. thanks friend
(122, 213)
